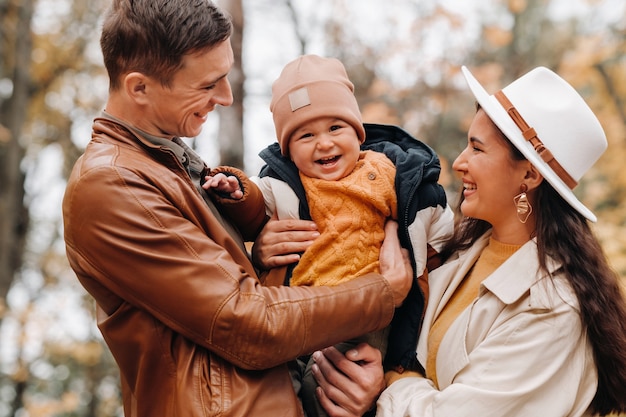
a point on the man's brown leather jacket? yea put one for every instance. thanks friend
(178, 301)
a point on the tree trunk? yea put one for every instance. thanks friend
(230, 133)
(15, 48)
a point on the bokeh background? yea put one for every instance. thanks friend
(404, 57)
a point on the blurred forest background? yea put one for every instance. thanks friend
(404, 58)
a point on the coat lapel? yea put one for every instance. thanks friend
(510, 282)
(442, 283)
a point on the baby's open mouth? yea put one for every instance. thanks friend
(330, 160)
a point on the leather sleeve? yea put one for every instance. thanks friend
(247, 213)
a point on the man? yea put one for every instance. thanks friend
(178, 300)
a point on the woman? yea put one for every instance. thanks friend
(526, 317)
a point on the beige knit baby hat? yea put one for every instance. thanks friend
(310, 87)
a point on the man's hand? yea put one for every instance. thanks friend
(348, 384)
(395, 265)
(281, 241)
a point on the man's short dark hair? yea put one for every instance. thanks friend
(153, 36)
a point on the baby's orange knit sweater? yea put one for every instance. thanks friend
(350, 214)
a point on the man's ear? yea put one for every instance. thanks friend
(533, 177)
(136, 84)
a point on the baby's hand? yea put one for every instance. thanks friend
(224, 184)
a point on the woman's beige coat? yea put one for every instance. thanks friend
(518, 350)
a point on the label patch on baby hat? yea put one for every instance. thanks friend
(299, 98)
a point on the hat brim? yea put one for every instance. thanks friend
(500, 117)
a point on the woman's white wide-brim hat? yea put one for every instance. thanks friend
(553, 114)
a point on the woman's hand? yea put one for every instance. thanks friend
(281, 241)
(348, 384)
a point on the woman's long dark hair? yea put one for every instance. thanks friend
(571, 241)
(564, 235)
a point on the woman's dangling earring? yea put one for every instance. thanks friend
(522, 204)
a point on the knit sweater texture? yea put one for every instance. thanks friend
(350, 214)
